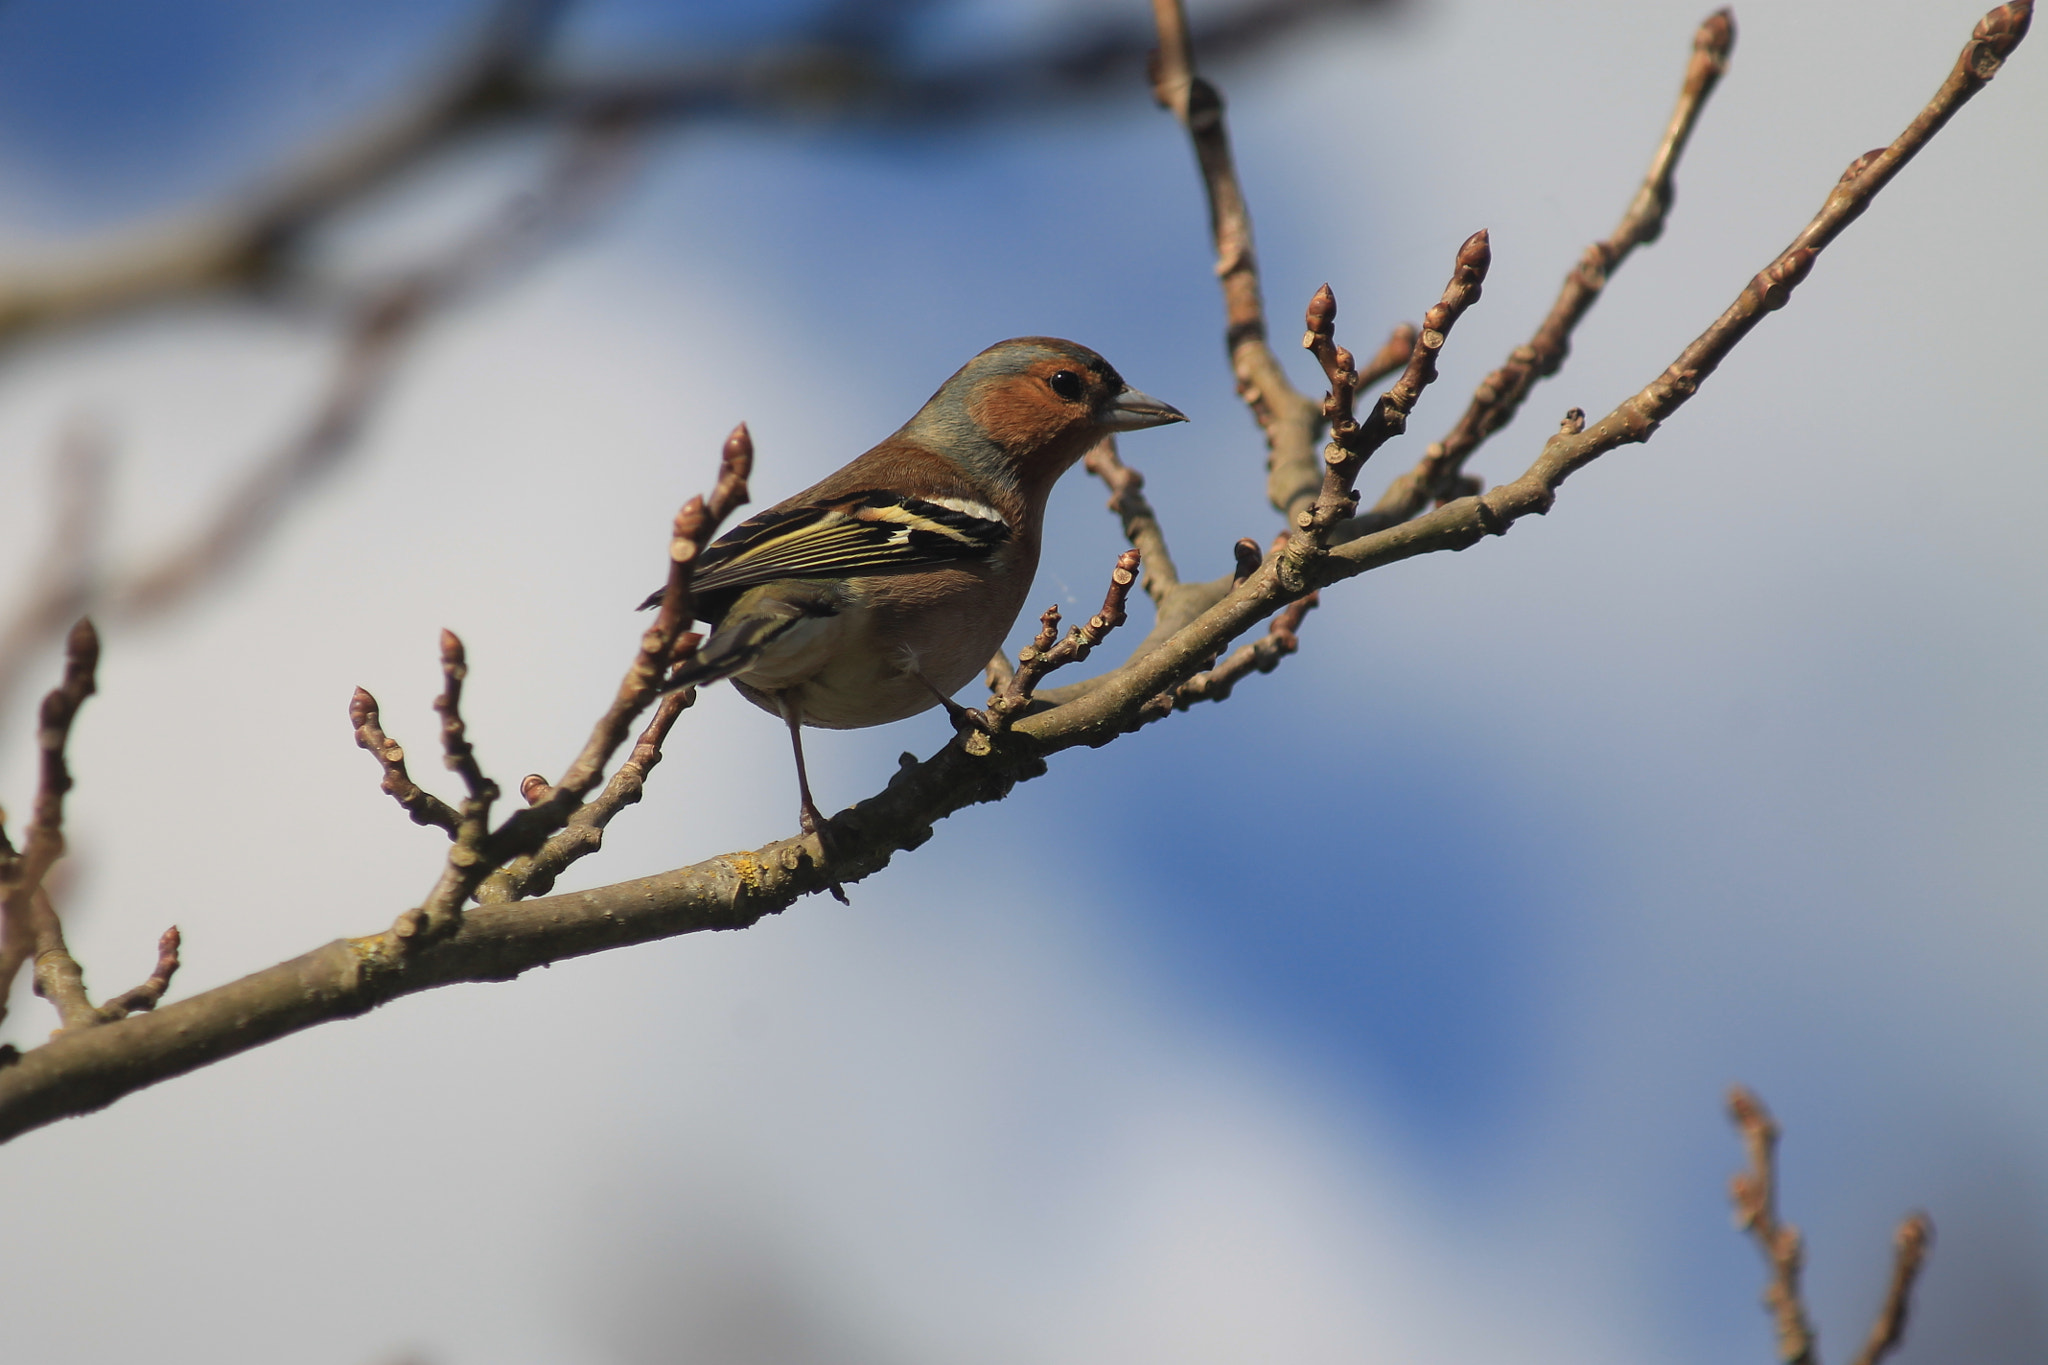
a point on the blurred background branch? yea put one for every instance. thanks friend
(850, 61)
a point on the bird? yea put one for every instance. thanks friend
(878, 592)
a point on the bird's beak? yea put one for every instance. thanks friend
(1134, 411)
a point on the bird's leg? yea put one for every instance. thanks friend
(812, 819)
(963, 717)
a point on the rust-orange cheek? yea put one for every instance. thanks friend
(1020, 417)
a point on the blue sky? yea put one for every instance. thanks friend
(1382, 1012)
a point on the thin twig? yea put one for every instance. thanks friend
(1353, 442)
(146, 996)
(1043, 655)
(1289, 419)
(458, 755)
(1141, 524)
(1909, 1253)
(423, 806)
(1754, 1193)
(479, 851)
(1639, 416)
(584, 834)
(1437, 476)
(31, 921)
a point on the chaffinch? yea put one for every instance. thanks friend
(879, 592)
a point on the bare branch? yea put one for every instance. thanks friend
(377, 340)
(1262, 655)
(1288, 417)
(1499, 396)
(1754, 1193)
(458, 755)
(31, 921)
(1353, 442)
(1042, 655)
(584, 834)
(423, 806)
(246, 243)
(505, 73)
(480, 851)
(83, 1070)
(146, 996)
(1994, 38)
(1140, 522)
(1909, 1245)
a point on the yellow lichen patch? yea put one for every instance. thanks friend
(749, 872)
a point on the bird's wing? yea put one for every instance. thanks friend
(868, 532)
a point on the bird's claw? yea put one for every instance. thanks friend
(813, 822)
(966, 718)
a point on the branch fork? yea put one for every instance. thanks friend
(30, 929)
(1754, 1193)
(1047, 652)
(556, 827)
(1353, 442)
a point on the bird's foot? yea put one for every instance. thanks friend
(813, 822)
(968, 719)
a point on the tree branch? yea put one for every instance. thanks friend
(1438, 475)
(31, 924)
(378, 338)
(1754, 1193)
(1289, 418)
(85, 1069)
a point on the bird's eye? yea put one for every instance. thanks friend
(1066, 384)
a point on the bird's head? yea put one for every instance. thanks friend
(1027, 408)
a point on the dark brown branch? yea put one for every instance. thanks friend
(79, 1072)
(146, 996)
(1288, 417)
(1909, 1247)
(1754, 1193)
(1436, 477)
(423, 806)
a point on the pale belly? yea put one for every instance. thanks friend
(861, 667)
